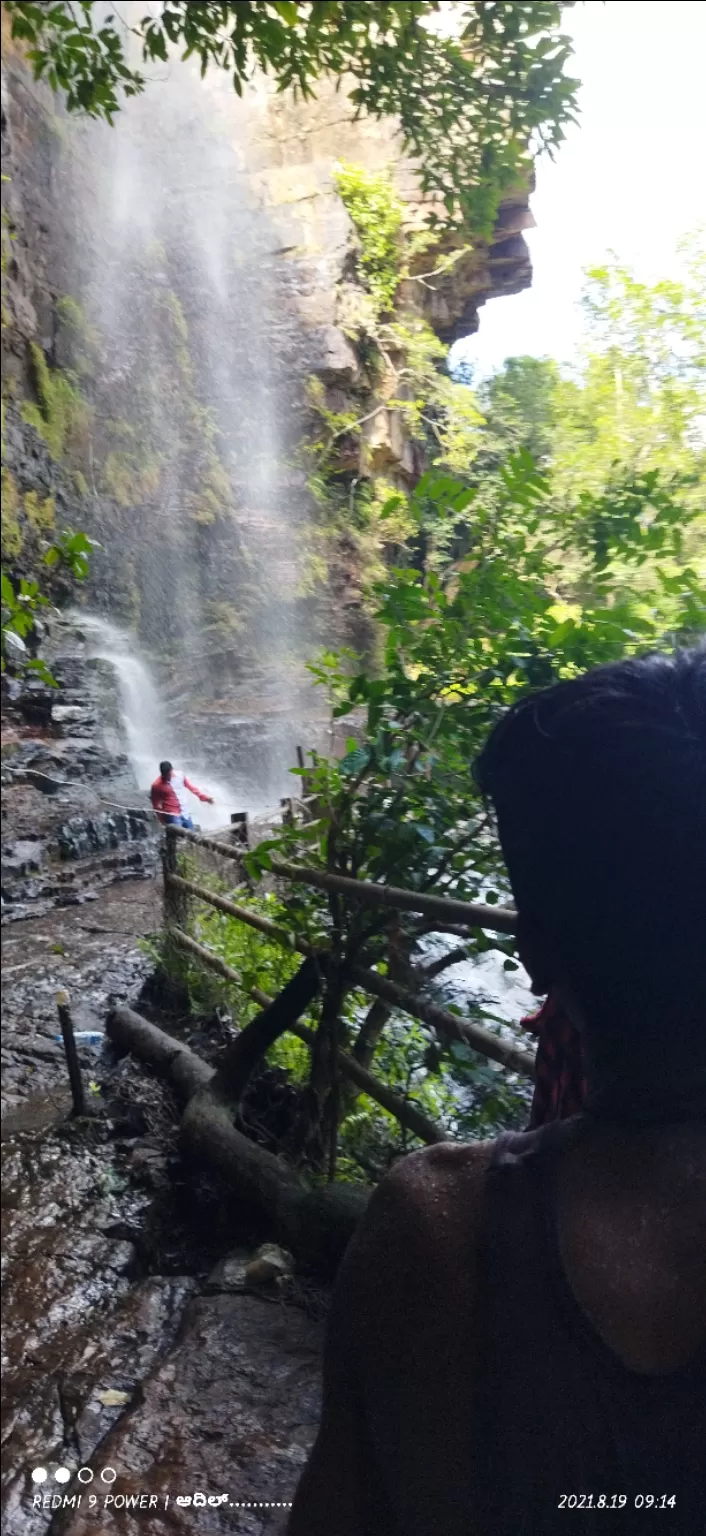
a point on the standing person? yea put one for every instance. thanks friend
(517, 1341)
(168, 797)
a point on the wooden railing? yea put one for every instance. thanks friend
(450, 914)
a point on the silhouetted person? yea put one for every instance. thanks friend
(517, 1345)
(168, 797)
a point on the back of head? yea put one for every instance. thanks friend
(599, 787)
(165, 769)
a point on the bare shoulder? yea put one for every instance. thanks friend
(430, 1187)
(422, 1226)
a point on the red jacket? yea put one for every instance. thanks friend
(165, 794)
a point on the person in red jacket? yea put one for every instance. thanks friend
(168, 797)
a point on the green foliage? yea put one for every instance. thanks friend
(83, 338)
(639, 396)
(636, 398)
(223, 622)
(12, 535)
(131, 467)
(377, 215)
(62, 417)
(72, 551)
(212, 495)
(634, 406)
(22, 601)
(40, 512)
(468, 102)
(461, 644)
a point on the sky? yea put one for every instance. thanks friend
(629, 178)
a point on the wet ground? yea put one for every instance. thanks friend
(131, 1345)
(145, 1384)
(122, 1349)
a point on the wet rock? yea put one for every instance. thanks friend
(269, 1265)
(41, 1047)
(233, 1409)
(65, 716)
(10, 688)
(47, 783)
(22, 857)
(83, 835)
(229, 1274)
(334, 358)
(35, 703)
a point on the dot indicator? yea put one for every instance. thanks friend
(108, 1475)
(39, 1475)
(62, 1474)
(85, 1474)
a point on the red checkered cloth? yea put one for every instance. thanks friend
(560, 1083)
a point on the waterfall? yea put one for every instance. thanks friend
(190, 356)
(151, 731)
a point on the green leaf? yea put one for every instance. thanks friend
(288, 11)
(355, 761)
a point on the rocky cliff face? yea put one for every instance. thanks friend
(172, 288)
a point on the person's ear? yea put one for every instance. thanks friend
(534, 954)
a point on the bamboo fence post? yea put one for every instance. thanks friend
(67, 1032)
(253, 919)
(304, 780)
(175, 904)
(239, 829)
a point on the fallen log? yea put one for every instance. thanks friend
(316, 1224)
(168, 1057)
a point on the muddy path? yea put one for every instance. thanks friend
(131, 1344)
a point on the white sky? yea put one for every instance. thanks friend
(629, 178)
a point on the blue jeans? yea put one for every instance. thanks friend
(179, 821)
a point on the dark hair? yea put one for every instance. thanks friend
(165, 769)
(599, 788)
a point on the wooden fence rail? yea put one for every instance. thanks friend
(450, 1025)
(403, 1109)
(469, 914)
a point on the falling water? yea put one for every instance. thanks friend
(151, 734)
(197, 406)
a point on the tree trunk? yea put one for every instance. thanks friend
(316, 1224)
(255, 1040)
